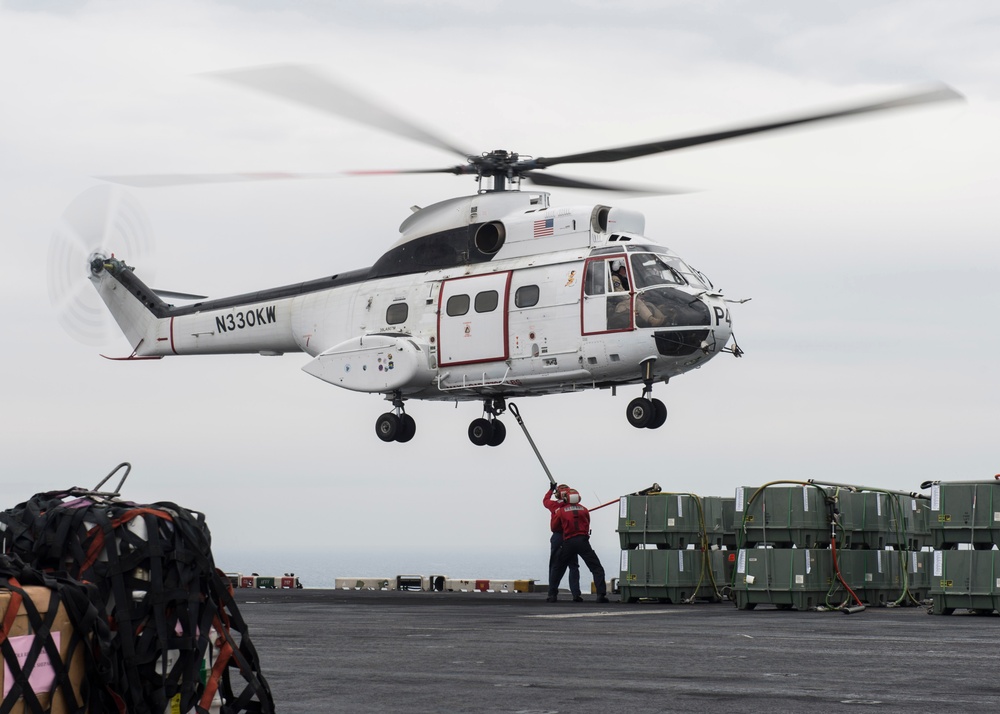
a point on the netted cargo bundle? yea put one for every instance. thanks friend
(55, 644)
(178, 641)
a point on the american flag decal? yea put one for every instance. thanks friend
(543, 228)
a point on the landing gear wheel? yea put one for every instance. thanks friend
(387, 426)
(407, 428)
(640, 411)
(480, 432)
(659, 417)
(499, 433)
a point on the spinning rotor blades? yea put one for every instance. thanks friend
(100, 221)
(938, 94)
(306, 86)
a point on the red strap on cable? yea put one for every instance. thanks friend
(12, 609)
(97, 544)
(221, 662)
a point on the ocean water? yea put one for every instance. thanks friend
(321, 569)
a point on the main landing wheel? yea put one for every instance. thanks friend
(488, 430)
(407, 428)
(659, 417)
(640, 411)
(387, 426)
(499, 433)
(390, 427)
(646, 413)
(480, 432)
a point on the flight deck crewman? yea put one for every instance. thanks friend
(575, 520)
(553, 500)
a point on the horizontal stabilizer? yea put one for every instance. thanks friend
(178, 296)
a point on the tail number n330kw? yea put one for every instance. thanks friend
(250, 318)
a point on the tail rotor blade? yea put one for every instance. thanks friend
(101, 221)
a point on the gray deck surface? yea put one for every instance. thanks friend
(365, 651)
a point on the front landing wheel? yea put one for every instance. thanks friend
(640, 411)
(659, 417)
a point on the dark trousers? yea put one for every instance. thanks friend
(571, 549)
(574, 565)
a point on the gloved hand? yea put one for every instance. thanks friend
(552, 488)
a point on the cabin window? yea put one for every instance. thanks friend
(487, 301)
(526, 296)
(594, 284)
(396, 313)
(457, 305)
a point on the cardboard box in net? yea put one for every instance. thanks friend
(22, 635)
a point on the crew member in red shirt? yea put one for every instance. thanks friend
(553, 501)
(575, 521)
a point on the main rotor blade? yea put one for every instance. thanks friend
(304, 85)
(456, 170)
(939, 94)
(544, 178)
(161, 180)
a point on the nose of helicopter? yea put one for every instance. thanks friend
(687, 324)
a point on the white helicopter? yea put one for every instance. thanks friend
(487, 297)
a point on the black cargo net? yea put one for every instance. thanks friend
(44, 607)
(178, 641)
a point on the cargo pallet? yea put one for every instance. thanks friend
(788, 578)
(965, 512)
(676, 521)
(966, 579)
(672, 575)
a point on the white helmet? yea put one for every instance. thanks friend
(617, 264)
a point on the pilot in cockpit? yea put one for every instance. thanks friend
(619, 276)
(647, 314)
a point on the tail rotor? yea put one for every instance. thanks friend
(100, 222)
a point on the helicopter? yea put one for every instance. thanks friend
(485, 298)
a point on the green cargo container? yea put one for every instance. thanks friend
(672, 575)
(870, 519)
(965, 512)
(878, 577)
(917, 518)
(674, 520)
(918, 571)
(965, 579)
(788, 578)
(782, 516)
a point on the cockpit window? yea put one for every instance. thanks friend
(693, 277)
(649, 269)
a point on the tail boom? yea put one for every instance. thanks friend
(156, 329)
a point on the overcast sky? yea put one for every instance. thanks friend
(869, 249)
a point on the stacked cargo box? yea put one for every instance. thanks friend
(672, 546)
(965, 531)
(784, 558)
(883, 534)
(808, 546)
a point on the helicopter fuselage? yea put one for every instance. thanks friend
(490, 296)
